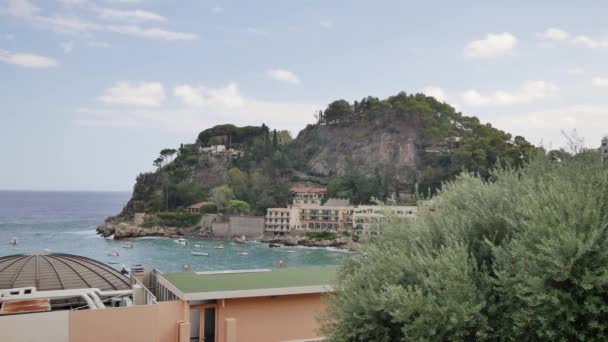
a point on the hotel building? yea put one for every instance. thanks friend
(367, 218)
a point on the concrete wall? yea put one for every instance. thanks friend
(220, 229)
(147, 323)
(269, 319)
(35, 327)
(250, 226)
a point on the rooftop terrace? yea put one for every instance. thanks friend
(281, 281)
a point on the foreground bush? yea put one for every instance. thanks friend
(521, 258)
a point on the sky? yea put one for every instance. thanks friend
(92, 90)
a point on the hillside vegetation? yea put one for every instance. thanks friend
(370, 148)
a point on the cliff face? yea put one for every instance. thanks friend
(366, 148)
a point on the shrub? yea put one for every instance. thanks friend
(519, 258)
(321, 235)
(209, 209)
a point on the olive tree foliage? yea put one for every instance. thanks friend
(522, 256)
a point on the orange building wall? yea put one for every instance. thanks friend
(146, 323)
(270, 319)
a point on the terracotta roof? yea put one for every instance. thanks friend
(309, 189)
(56, 271)
(199, 205)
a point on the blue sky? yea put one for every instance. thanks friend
(91, 90)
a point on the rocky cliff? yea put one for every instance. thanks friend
(367, 147)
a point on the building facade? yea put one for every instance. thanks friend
(308, 195)
(326, 218)
(367, 218)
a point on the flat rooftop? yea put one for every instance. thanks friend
(281, 281)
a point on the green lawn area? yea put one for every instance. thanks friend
(278, 278)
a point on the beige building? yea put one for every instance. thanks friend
(308, 195)
(281, 221)
(326, 218)
(367, 218)
(68, 298)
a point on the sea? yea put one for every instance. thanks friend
(65, 222)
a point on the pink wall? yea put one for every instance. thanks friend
(269, 319)
(146, 323)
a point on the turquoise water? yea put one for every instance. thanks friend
(65, 222)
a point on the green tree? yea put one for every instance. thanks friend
(521, 258)
(221, 196)
(337, 111)
(237, 207)
(238, 182)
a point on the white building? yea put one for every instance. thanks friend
(367, 218)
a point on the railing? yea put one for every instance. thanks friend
(150, 298)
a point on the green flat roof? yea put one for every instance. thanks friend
(277, 278)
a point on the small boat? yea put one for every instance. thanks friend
(114, 253)
(199, 253)
(220, 246)
(274, 245)
(127, 245)
(243, 253)
(181, 241)
(197, 246)
(13, 241)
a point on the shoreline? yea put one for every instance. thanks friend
(126, 230)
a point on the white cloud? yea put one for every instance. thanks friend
(67, 46)
(151, 33)
(27, 60)
(145, 94)
(527, 92)
(599, 82)
(226, 97)
(217, 9)
(554, 33)
(283, 76)
(435, 92)
(590, 121)
(70, 25)
(204, 107)
(575, 71)
(21, 8)
(131, 16)
(492, 45)
(75, 25)
(326, 24)
(590, 42)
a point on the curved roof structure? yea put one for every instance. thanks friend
(55, 271)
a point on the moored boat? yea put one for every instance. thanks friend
(199, 253)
